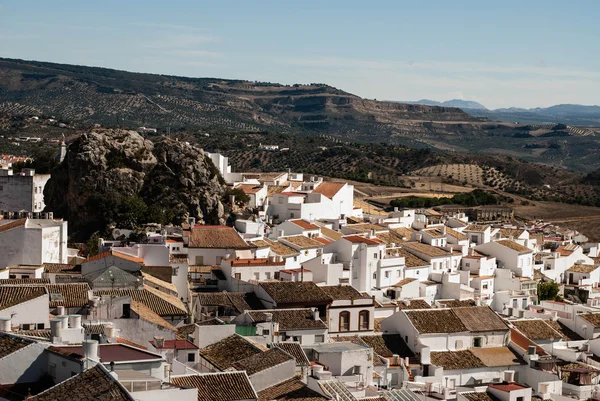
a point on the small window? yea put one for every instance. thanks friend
(387, 274)
(375, 255)
(12, 276)
(520, 398)
(374, 276)
(126, 311)
(363, 320)
(406, 339)
(25, 326)
(191, 357)
(477, 342)
(266, 332)
(467, 264)
(40, 326)
(344, 321)
(256, 276)
(268, 276)
(319, 338)
(398, 272)
(175, 271)
(485, 286)
(25, 276)
(292, 215)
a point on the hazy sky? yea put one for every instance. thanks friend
(524, 53)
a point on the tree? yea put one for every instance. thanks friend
(548, 291)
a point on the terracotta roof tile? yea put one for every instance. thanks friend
(249, 189)
(456, 360)
(154, 281)
(281, 249)
(358, 239)
(476, 228)
(477, 396)
(567, 333)
(289, 319)
(480, 318)
(331, 234)
(411, 260)
(514, 246)
(581, 268)
(290, 390)
(295, 350)
(388, 345)
(159, 302)
(24, 281)
(258, 362)
(174, 344)
(61, 268)
(14, 295)
(425, 249)
(435, 321)
(456, 234)
(301, 241)
(295, 292)
(455, 303)
(223, 386)
(12, 224)
(304, 224)
(220, 237)
(497, 356)
(329, 189)
(536, 329)
(224, 353)
(10, 344)
(519, 340)
(147, 314)
(121, 340)
(593, 318)
(413, 304)
(343, 292)
(93, 384)
(404, 281)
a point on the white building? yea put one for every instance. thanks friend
(510, 255)
(33, 242)
(24, 191)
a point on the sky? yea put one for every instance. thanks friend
(525, 53)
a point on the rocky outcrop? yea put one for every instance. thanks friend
(105, 167)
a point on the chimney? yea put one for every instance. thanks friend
(109, 331)
(444, 230)
(75, 321)
(268, 317)
(395, 359)
(90, 349)
(64, 321)
(60, 310)
(316, 314)
(5, 324)
(159, 342)
(55, 330)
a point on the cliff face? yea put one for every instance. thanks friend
(114, 173)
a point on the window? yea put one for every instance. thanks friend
(268, 276)
(520, 398)
(126, 311)
(295, 258)
(477, 342)
(485, 286)
(406, 339)
(280, 200)
(238, 276)
(292, 215)
(256, 276)
(175, 271)
(12, 276)
(25, 326)
(467, 264)
(398, 273)
(23, 276)
(363, 320)
(387, 274)
(40, 326)
(191, 357)
(266, 332)
(375, 255)
(374, 276)
(344, 321)
(319, 338)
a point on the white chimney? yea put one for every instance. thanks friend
(109, 331)
(316, 314)
(5, 324)
(395, 359)
(75, 321)
(64, 320)
(90, 349)
(509, 376)
(159, 342)
(60, 310)
(56, 330)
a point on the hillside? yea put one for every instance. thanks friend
(83, 96)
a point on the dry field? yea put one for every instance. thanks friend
(469, 174)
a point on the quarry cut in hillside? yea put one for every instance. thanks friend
(115, 171)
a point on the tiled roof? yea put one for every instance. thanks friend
(61, 268)
(477, 396)
(147, 314)
(116, 254)
(404, 281)
(304, 224)
(265, 360)
(221, 237)
(454, 360)
(567, 333)
(164, 273)
(255, 262)
(235, 300)
(24, 281)
(281, 249)
(476, 228)
(12, 224)
(456, 234)
(42, 333)
(329, 233)
(175, 344)
(359, 239)
(108, 353)
(290, 390)
(178, 258)
(581, 268)
(222, 386)
(508, 233)
(413, 304)
(93, 384)
(249, 188)
(224, 353)
(301, 241)
(404, 232)
(10, 344)
(536, 329)
(289, 319)
(480, 318)
(295, 292)
(434, 232)
(519, 340)
(295, 350)
(435, 321)
(328, 189)
(506, 387)
(322, 240)
(593, 318)
(388, 345)
(91, 328)
(74, 295)
(425, 249)
(121, 340)
(14, 295)
(184, 331)
(343, 292)
(514, 246)
(366, 227)
(497, 356)
(390, 237)
(151, 280)
(455, 303)
(411, 260)
(161, 303)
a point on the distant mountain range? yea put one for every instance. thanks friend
(571, 114)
